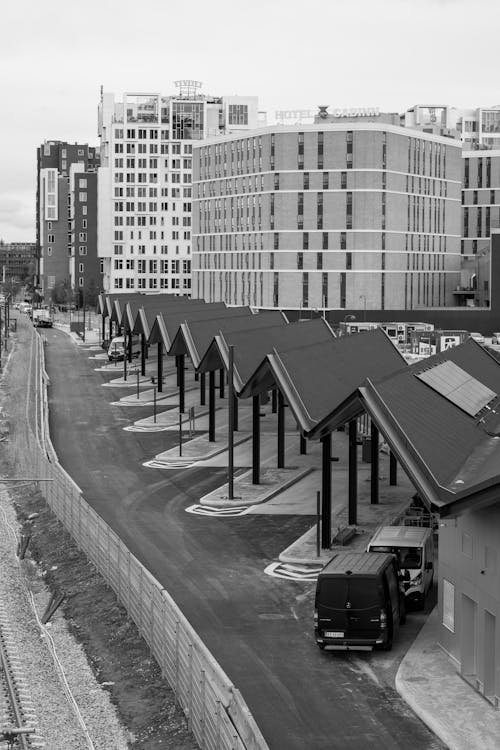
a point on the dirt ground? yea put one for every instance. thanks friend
(115, 650)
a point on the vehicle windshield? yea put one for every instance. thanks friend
(409, 558)
(350, 593)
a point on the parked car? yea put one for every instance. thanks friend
(414, 550)
(359, 602)
(477, 337)
(495, 338)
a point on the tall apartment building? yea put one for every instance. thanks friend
(145, 181)
(481, 217)
(66, 218)
(358, 215)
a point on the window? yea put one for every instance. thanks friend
(82, 250)
(80, 268)
(448, 605)
(82, 197)
(238, 114)
(82, 183)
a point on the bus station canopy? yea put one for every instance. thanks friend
(194, 337)
(251, 347)
(316, 379)
(441, 418)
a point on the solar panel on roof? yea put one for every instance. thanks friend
(450, 381)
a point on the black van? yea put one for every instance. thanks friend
(359, 602)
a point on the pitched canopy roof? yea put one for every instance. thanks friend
(451, 453)
(167, 323)
(194, 337)
(142, 317)
(316, 379)
(251, 347)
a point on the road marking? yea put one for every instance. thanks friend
(209, 510)
(293, 572)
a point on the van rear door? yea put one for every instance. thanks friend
(349, 607)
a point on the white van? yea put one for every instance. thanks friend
(116, 348)
(414, 549)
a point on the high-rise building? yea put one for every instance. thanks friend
(355, 215)
(66, 220)
(145, 181)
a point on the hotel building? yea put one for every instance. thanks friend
(66, 223)
(344, 216)
(145, 182)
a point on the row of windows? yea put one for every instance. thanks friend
(414, 243)
(152, 207)
(145, 177)
(152, 283)
(255, 184)
(152, 192)
(152, 266)
(141, 250)
(151, 163)
(423, 156)
(483, 172)
(175, 235)
(131, 134)
(425, 289)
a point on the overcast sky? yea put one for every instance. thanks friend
(292, 54)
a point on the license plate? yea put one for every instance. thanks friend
(333, 634)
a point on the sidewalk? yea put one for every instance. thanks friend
(428, 681)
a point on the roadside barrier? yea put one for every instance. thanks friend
(215, 710)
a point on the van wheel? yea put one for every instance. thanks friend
(387, 646)
(402, 619)
(321, 646)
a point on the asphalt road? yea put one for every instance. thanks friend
(259, 628)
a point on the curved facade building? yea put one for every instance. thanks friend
(357, 215)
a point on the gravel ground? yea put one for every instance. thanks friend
(123, 701)
(57, 720)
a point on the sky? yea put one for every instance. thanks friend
(292, 54)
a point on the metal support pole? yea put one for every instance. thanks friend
(128, 339)
(124, 359)
(211, 406)
(160, 366)
(318, 523)
(203, 393)
(103, 328)
(177, 369)
(235, 407)
(180, 434)
(221, 382)
(326, 491)
(374, 464)
(230, 398)
(180, 377)
(154, 404)
(256, 440)
(353, 473)
(138, 373)
(143, 355)
(274, 401)
(303, 445)
(393, 469)
(110, 329)
(281, 431)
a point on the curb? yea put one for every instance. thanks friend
(290, 559)
(261, 498)
(423, 714)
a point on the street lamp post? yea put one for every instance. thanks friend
(363, 297)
